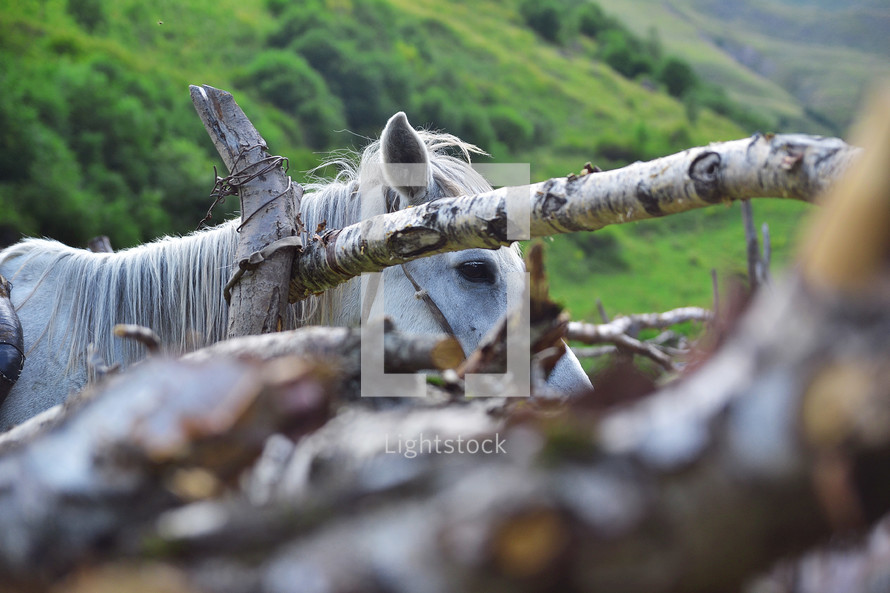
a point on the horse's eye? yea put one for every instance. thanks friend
(476, 271)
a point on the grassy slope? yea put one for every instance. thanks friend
(802, 54)
(183, 43)
(662, 263)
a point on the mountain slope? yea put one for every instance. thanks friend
(806, 63)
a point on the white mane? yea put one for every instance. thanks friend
(174, 285)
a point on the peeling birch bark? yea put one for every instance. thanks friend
(782, 166)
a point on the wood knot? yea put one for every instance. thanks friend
(705, 174)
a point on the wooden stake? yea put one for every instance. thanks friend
(269, 206)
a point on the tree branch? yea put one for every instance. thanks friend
(752, 248)
(785, 166)
(590, 333)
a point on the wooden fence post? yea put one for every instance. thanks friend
(270, 202)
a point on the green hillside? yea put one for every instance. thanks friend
(804, 64)
(98, 135)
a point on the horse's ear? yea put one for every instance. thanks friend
(406, 162)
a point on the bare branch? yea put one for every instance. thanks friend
(602, 311)
(767, 253)
(751, 247)
(621, 331)
(786, 166)
(715, 290)
(144, 335)
(590, 333)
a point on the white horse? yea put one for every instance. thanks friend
(67, 298)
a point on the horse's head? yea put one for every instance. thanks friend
(469, 287)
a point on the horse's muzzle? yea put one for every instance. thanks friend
(12, 357)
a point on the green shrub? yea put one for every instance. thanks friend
(287, 81)
(89, 14)
(372, 84)
(677, 76)
(511, 128)
(592, 21)
(624, 54)
(544, 17)
(593, 254)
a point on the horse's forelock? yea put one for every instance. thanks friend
(337, 201)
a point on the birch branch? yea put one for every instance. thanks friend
(594, 351)
(784, 166)
(590, 333)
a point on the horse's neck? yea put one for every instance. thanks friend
(336, 206)
(174, 286)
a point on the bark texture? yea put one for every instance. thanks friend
(270, 203)
(783, 166)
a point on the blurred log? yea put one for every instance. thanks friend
(849, 245)
(340, 348)
(770, 447)
(93, 480)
